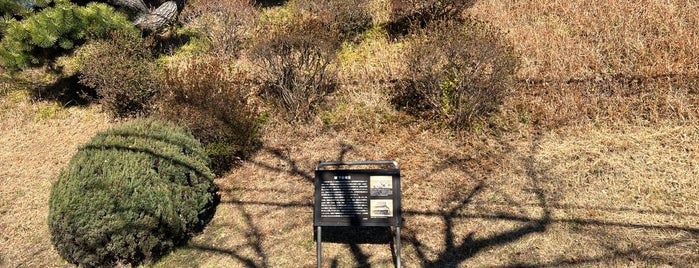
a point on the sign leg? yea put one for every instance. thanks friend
(398, 246)
(319, 248)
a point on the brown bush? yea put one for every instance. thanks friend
(294, 56)
(123, 71)
(407, 14)
(226, 24)
(348, 17)
(211, 101)
(457, 73)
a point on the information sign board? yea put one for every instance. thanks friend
(357, 197)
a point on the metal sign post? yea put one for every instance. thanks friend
(357, 197)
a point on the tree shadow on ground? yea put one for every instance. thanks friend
(454, 254)
(457, 248)
(353, 237)
(254, 240)
(291, 165)
(66, 91)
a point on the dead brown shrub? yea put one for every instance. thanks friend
(416, 14)
(211, 100)
(225, 23)
(348, 17)
(123, 71)
(456, 73)
(294, 56)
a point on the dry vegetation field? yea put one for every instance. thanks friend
(593, 160)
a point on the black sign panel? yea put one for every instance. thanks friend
(357, 198)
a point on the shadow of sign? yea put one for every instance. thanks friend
(356, 235)
(353, 236)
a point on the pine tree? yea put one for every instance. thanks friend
(19, 8)
(36, 35)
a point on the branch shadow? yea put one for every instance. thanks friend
(356, 235)
(247, 262)
(254, 240)
(291, 165)
(454, 254)
(353, 237)
(614, 255)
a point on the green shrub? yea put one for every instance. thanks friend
(130, 195)
(294, 55)
(41, 36)
(123, 71)
(457, 73)
(211, 101)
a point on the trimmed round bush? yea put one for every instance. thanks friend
(131, 194)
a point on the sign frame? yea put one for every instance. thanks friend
(357, 198)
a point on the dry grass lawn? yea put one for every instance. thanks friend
(593, 160)
(590, 196)
(38, 140)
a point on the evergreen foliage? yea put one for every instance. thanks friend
(54, 30)
(19, 8)
(131, 195)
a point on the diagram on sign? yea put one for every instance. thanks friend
(381, 208)
(381, 185)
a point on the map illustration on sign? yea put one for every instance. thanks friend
(381, 208)
(381, 185)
